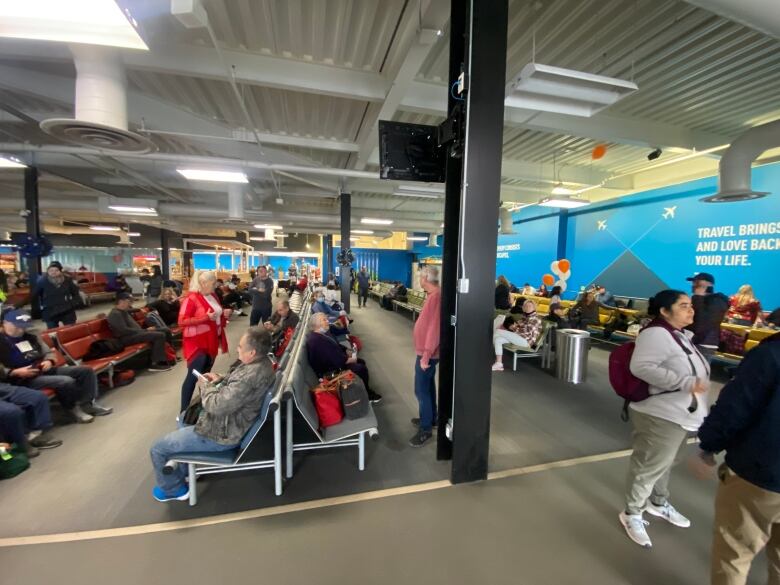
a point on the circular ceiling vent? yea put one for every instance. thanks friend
(734, 196)
(97, 135)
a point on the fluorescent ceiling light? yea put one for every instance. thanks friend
(559, 189)
(363, 232)
(136, 234)
(10, 163)
(417, 238)
(565, 91)
(420, 189)
(132, 209)
(415, 194)
(265, 226)
(90, 22)
(375, 221)
(215, 176)
(104, 228)
(563, 202)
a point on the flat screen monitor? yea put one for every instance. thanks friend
(410, 152)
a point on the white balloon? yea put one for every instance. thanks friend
(554, 268)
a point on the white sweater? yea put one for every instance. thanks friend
(662, 363)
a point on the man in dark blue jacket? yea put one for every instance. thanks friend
(745, 422)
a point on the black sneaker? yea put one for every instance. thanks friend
(96, 409)
(416, 422)
(159, 367)
(44, 443)
(374, 398)
(419, 439)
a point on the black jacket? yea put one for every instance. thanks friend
(57, 301)
(745, 421)
(709, 311)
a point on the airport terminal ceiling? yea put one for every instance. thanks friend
(310, 79)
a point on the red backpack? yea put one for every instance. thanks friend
(624, 383)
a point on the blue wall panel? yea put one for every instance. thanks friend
(388, 264)
(663, 232)
(202, 261)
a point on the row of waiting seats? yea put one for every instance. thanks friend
(752, 335)
(413, 303)
(293, 382)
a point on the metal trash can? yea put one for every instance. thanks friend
(571, 355)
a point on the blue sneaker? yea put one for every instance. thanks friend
(183, 493)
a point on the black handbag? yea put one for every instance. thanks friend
(192, 412)
(354, 397)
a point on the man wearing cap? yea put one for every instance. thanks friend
(709, 309)
(128, 331)
(26, 360)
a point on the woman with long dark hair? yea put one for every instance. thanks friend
(678, 378)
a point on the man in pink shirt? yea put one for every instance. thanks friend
(426, 344)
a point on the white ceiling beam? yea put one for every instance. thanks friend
(426, 29)
(421, 97)
(568, 174)
(431, 99)
(250, 68)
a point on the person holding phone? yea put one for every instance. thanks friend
(203, 321)
(26, 360)
(678, 378)
(230, 405)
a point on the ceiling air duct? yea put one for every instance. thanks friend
(235, 204)
(505, 218)
(734, 180)
(101, 104)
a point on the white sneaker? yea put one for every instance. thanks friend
(498, 367)
(668, 513)
(635, 528)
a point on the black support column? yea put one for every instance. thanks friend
(33, 219)
(327, 265)
(346, 227)
(165, 254)
(486, 70)
(449, 275)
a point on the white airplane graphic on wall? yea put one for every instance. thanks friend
(602, 224)
(669, 212)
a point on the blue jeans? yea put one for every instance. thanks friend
(72, 384)
(184, 440)
(22, 409)
(425, 390)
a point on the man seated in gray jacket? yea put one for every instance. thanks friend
(230, 405)
(128, 331)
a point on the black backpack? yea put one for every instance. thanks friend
(102, 348)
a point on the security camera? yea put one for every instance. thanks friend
(655, 154)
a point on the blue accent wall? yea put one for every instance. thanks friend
(640, 243)
(387, 264)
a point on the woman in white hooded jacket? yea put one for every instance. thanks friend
(678, 382)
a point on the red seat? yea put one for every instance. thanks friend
(70, 332)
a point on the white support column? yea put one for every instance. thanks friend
(289, 442)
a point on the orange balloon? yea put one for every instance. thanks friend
(564, 265)
(548, 279)
(598, 151)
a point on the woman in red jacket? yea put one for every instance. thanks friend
(202, 320)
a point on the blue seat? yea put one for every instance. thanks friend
(200, 463)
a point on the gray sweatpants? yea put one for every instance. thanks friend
(657, 444)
